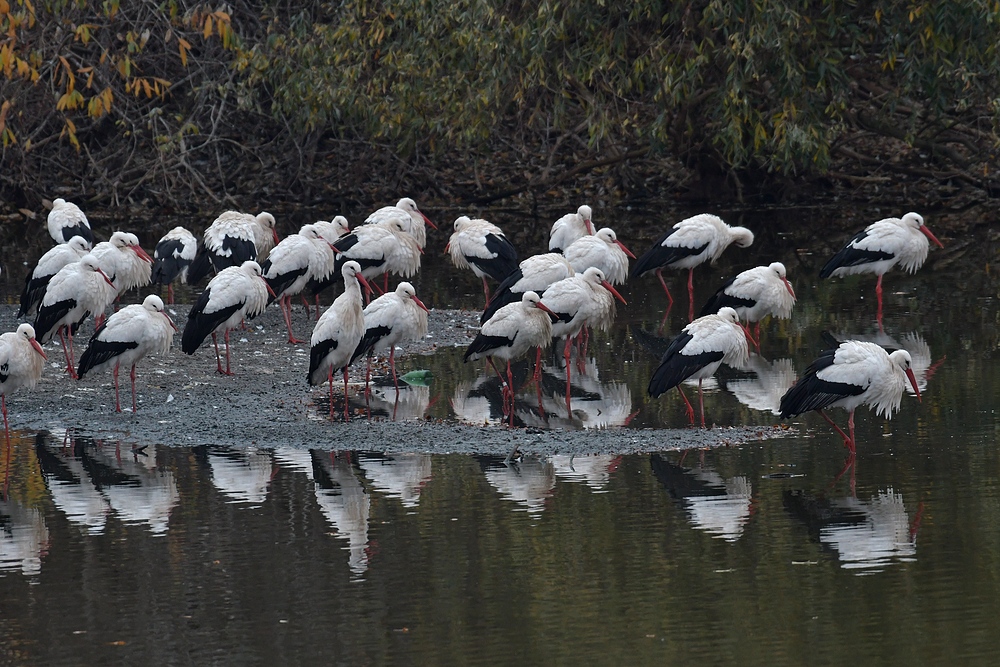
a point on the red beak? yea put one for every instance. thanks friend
(336, 250)
(274, 233)
(170, 321)
(913, 382)
(364, 282)
(269, 290)
(142, 253)
(931, 236)
(38, 348)
(624, 249)
(447, 247)
(106, 279)
(611, 289)
(542, 306)
(428, 221)
(420, 303)
(788, 286)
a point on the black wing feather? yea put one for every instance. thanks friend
(200, 267)
(813, 393)
(502, 295)
(282, 281)
(240, 250)
(79, 229)
(372, 336)
(660, 256)
(849, 255)
(100, 351)
(200, 324)
(676, 367)
(167, 264)
(34, 292)
(317, 353)
(501, 266)
(486, 345)
(48, 316)
(720, 300)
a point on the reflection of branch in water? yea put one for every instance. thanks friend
(865, 536)
(720, 507)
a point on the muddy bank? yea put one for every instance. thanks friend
(184, 401)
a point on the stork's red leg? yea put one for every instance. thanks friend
(850, 428)
(170, 294)
(392, 367)
(878, 298)
(114, 374)
(848, 440)
(134, 408)
(510, 388)
(659, 274)
(688, 409)
(486, 291)
(691, 294)
(6, 433)
(329, 376)
(69, 359)
(566, 356)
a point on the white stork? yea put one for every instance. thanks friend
(481, 246)
(602, 250)
(754, 294)
(512, 331)
(881, 246)
(47, 266)
(292, 263)
(331, 230)
(338, 332)
(697, 352)
(66, 220)
(172, 258)
(234, 294)
(79, 289)
(413, 220)
(383, 248)
(852, 374)
(693, 241)
(569, 228)
(21, 362)
(583, 300)
(125, 338)
(533, 274)
(124, 261)
(393, 318)
(230, 240)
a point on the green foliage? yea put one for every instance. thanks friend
(765, 84)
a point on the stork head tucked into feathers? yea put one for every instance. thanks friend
(154, 304)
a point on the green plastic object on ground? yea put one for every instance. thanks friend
(418, 378)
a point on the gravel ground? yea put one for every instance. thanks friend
(183, 401)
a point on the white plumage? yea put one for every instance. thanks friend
(234, 294)
(66, 220)
(533, 274)
(393, 318)
(881, 246)
(124, 261)
(602, 250)
(378, 249)
(413, 220)
(754, 294)
(126, 337)
(691, 242)
(21, 364)
(854, 373)
(697, 352)
(47, 266)
(569, 228)
(297, 259)
(338, 332)
(482, 247)
(172, 258)
(79, 289)
(331, 230)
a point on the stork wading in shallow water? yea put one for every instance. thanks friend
(570, 227)
(21, 362)
(126, 337)
(697, 352)
(754, 294)
(79, 289)
(393, 318)
(414, 222)
(881, 246)
(602, 250)
(338, 332)
(691, 242)
(481, 246)
(235, 293)
(583, 300)
(510, 333)
(66, 220)
(48, 265)
(172, 259)
(533, 274)
(854, 373)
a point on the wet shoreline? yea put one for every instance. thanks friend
(267, 403)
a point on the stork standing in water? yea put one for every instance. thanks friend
(534, 274)
(237, 292)
(602, 250)
(393, 318)
(172, 258)
(21, 362)
(512, 331)
(413, 220)
(881, 246)
(125, 338)
(292, 263)
(66, 220)
(47, 266)
(481, 246)
(338, 332)
(584, 300)
(382, 248)
(854, 373)
(691, 242)
(754, 294)
(232, 239)
(569, 228)
(697, 352)
(79, 289)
